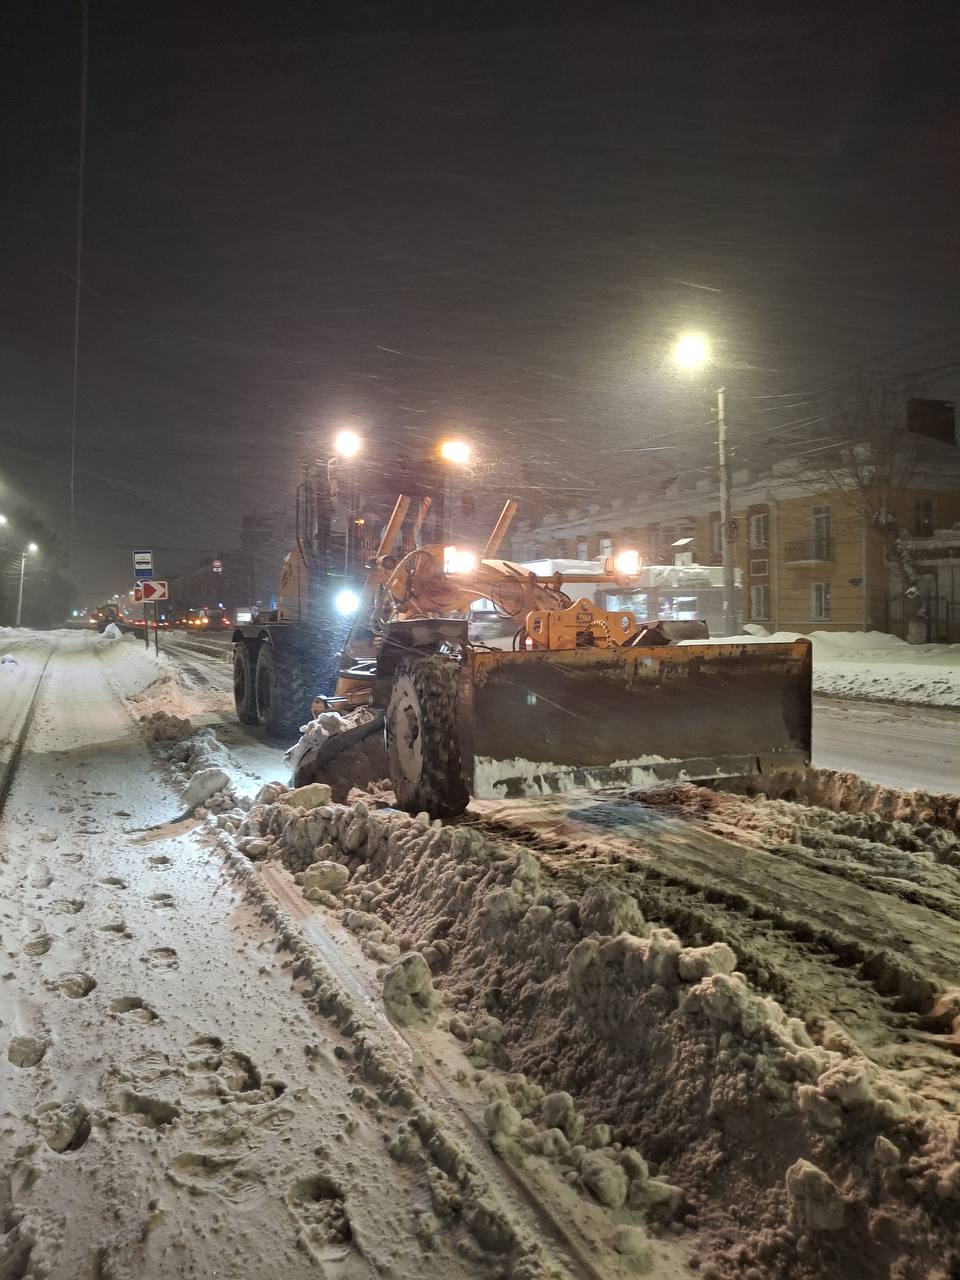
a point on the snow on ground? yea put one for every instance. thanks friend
(873, 665)
(580, 1038)
(190, 1088)
(655, 1069)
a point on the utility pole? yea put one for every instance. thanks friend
(728, 533)
(23, 569)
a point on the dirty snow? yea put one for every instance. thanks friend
(696, 1029)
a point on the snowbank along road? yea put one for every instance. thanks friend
(690, 1032)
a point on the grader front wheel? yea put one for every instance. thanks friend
(423, 747)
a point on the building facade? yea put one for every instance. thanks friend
(809, 558)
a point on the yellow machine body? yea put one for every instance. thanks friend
(582, 626)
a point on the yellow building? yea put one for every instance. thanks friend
(811, 556)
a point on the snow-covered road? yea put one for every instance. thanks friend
(899, 746)
(681, 1031)
(171, 1106)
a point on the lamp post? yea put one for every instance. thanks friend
(30, 549)
(346, 445)
(456, 453)
(691, 352)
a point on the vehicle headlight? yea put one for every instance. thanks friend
(627, 563)
(346, 602)
(457, 561)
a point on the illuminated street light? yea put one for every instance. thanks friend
(3, 518)
(347, 444)
(692, 351)
(30, 549)
(459, 452)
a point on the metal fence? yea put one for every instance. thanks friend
(938, 618)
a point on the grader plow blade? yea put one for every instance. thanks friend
(543, 723)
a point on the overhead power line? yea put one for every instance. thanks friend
(81, 175)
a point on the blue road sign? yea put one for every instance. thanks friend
(143, 564)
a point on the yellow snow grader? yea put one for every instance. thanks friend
(583, 697)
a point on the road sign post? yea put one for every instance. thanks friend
(143, 564)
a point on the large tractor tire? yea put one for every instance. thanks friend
(282, 696)
(423, 745)
(244, 685)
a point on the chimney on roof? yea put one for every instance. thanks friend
(935, 419)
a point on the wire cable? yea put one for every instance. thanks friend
(81, 175)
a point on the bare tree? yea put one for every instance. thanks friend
(873, 461)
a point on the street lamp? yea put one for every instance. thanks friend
(692, 351)
(30, 549)
(458, 454)
(3, 518)
(346, 445)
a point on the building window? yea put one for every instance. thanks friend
(759, 527)
(606, 546)
(715, 538)
(759, 568)
(820, 602)
(583, 549)
(760, 603)
(923, 518)
(821, 532)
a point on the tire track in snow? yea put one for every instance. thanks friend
(12, 761)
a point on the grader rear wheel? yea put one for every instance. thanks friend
(282, 693)
(423, 746)
(244, 691)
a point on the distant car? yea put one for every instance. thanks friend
(211, 619)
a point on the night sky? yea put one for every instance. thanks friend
(484, 218)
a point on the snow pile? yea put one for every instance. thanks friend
(211, 777)
(314, 733)
(872, 665)
(158, 682)
(704, 1100)
(111, 632)
(845, 793)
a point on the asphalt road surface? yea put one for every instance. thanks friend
(895, 745)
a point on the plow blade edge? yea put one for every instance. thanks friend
(542, 723)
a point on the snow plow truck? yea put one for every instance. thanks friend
(580, 697)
